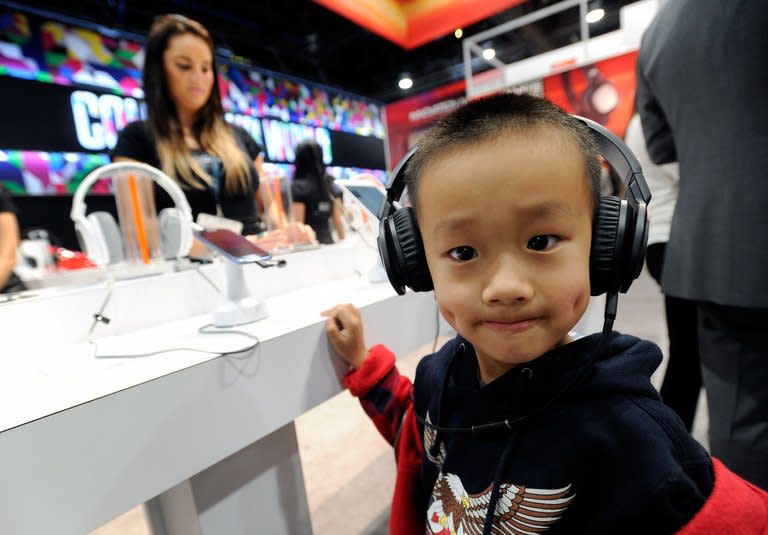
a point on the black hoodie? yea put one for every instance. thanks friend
(590, 447)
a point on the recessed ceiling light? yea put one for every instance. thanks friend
(595, 15)
(458, 33)
(489, 53)
(405, 82)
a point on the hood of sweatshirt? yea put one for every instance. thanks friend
(560, 426)
(580, 369)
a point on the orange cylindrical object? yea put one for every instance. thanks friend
(141, 235)
(279, 201)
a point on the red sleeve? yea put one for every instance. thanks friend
(384, 394)
(734, 507)
(409, 506)
(386, 397)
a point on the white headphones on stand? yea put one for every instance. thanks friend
(99, 233)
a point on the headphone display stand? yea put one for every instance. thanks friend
(236, 305)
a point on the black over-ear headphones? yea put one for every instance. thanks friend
(619, 228)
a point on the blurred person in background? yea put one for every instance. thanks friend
(682, 379)
(315, 200)
(185, 134)
(713, 120)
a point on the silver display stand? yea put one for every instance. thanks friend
(236, 305)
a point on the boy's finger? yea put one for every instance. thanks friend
(346, 315)
(330, 311)
(332, 329)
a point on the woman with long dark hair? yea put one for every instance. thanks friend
(185, 134)
(314, 200)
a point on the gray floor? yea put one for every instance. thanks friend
(349, 470)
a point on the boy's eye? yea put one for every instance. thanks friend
(462, 253)
(183, 67)
(542, 242)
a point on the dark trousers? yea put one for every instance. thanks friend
(682, 380)
(734, 359)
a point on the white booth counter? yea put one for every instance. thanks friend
(207, 440)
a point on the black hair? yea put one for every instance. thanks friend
(493, 116)
(310, 166)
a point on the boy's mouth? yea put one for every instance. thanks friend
(511, 326)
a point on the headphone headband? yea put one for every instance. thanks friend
(622, 160)
(395, 185)
(164, 181)
(610, 146)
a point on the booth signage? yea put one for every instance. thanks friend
(65, 119)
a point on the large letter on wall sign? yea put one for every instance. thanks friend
(85, 110)
(323, 138)
(112, 118)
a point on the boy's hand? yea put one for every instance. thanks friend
(345, 330)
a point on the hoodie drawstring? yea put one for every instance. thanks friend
(495, 493)
(527, 374)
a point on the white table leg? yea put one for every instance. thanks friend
(259, 489)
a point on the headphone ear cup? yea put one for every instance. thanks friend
(101, 239)
(175, 234)
(410, 251)
(605, 252)
(89, 243)
(402, 252)
(388, 256)
(639, 243)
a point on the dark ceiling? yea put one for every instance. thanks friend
(303, 39)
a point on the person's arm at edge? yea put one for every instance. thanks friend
(9, 242)
(338, 222)
(299, 212)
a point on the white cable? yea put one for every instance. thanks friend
(202, 330)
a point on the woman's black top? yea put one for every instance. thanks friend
(318, 206)
(136, 142)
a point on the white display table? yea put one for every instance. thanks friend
(208, 441)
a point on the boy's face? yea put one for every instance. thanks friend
(507, 225)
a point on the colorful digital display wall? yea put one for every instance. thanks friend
(68, 91)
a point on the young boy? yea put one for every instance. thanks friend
(579, 441)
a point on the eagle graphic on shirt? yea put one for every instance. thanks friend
(520, 510)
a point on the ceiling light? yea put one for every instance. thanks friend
(405, 82)
(595, 15)
(458, 33)
(489, 53)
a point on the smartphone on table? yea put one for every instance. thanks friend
(233, 246)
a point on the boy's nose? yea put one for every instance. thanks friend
(508, 284)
